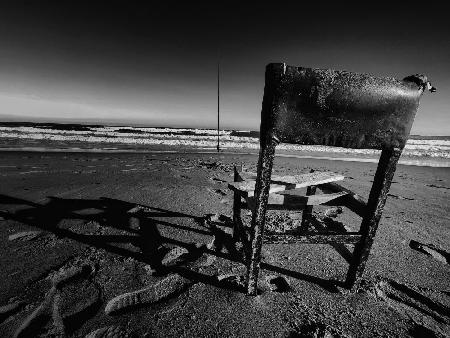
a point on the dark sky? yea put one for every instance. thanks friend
(123, 62)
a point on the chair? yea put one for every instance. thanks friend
(333, 108)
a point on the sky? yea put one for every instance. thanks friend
(120, 62)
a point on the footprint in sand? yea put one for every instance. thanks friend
(110, 332)
(72, 299)
(24, 236)
(431, 250)
(9, 309)
(169, 286)
(422, 306)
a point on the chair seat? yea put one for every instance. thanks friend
(282, 183)
(280, 201)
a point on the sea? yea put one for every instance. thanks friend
(431, 151)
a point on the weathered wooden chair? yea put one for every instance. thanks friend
(333, 108)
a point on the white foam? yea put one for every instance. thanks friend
(423, 149)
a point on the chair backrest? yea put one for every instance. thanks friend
(338, 108)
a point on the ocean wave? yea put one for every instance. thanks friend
(201, 138)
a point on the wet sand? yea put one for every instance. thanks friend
(111, 224)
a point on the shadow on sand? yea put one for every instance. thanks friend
(120, 214)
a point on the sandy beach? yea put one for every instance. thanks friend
(125, 127)
(113, 243)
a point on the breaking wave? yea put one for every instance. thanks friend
(418, 150)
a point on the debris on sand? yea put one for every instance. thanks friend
(225, 201)
(431, 250)
(216, 220)
(209, 165)
(212, 218)
(277, 283)
(220, 192)
(216, 165)
(219, 222)
(217, 179)
(165, 288)
(398, 197)
(24, 235)
(231, 281)
(333, 212)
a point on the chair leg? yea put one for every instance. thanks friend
(237, 204)
(377, 199)
(237, 221)
(307, 212)
(259, 213)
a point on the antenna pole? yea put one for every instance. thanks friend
(218, 105)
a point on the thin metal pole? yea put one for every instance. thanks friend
(218, 105)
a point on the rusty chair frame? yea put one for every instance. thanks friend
(333, 108)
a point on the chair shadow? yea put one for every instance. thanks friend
(116, 214)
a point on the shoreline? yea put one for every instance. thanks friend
(408, 161)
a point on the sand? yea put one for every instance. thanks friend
(81, 231)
